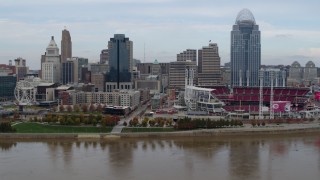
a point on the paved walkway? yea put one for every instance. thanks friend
(118, 128)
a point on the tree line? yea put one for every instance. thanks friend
(73, 119)
(187, 123)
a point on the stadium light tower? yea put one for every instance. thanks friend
(271, 95)
(261, 74)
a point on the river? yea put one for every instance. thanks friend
(277, 157)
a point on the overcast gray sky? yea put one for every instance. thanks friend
(290, 29)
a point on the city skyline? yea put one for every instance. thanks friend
(289, 32)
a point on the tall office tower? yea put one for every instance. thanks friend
(98, 80)
(245, 51)
(80, 63)
(104, 56)
(70, 71)
(280, 77)
(50, 69)
(66, 46)
(120, 63)
(209, 72)
(7, 86)
(189, 54)
(177, 73)
(21, 68)
(144, 68)
(156, 68)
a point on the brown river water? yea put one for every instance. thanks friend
(271, 158)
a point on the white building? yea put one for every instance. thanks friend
(51, 68)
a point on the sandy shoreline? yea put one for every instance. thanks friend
(241, 131)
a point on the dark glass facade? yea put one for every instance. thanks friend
(119, 60)
(7, 86)
(68, 72)
(245, 51)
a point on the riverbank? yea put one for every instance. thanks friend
(241, 131)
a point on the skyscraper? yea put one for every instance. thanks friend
(189, 54)
(21, 68)
(177, 73)
(70, 71)
(51, 66)
(245, 50)
(120, 63)
(209, 65)
(104, 55)
(66, 46)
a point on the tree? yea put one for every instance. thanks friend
(76, 108)
(77, 121)
(55, 109)
(81, 118)
(84, 108)
(91, 108)
(49, 117)
(69, 108)
(152, 122)
(99, 108)
(90, 119)
(169, 122)
(99, 118)
(6, 127)
(109, 121)
(144, 123)
(135, 122)
(61, 108)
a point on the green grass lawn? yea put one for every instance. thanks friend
(42, 128)
(159, 129)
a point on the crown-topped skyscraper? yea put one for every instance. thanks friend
(245, 51)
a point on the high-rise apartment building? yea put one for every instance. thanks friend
(51, 67)
(302, 75)
(66, 45)
(120, 63)
(245, 51)
(310, 72)
(209, 72)
(189, 54)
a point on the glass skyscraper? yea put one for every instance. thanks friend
(120, 63)
(245, 51)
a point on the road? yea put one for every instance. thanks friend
(118, 128)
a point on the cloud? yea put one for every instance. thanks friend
(311, 52)
(283, 35)
(64, 2)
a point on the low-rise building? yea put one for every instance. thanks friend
(116, 98)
